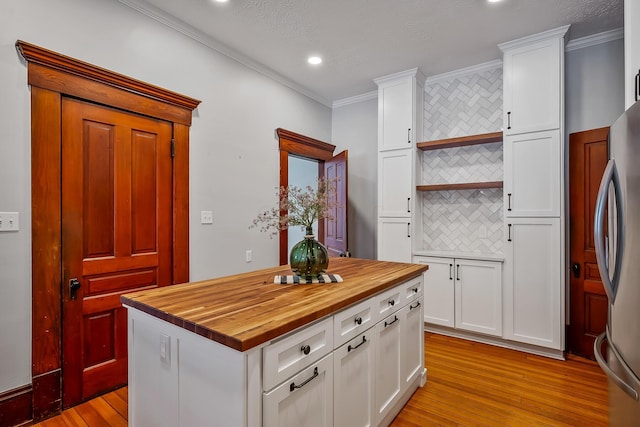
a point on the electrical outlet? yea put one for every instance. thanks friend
(165, 348)
(248, 256)
(9, 221)
(206, 217)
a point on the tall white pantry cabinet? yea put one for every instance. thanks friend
(400, 107)
(520, 302)
(533, 189)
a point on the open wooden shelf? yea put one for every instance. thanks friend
(463, 186)
(484, 138)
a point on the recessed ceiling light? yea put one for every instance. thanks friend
(494, 1)
(221, 1)
(314, 60)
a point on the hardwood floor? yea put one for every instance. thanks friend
(468, 384)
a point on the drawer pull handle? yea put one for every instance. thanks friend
(306, 349)
(364, 340)
(358, 320)
(415, 290)
(395, 319)
(411, 307)
(392, 302)
(293, 386)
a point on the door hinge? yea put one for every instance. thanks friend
(173, 147)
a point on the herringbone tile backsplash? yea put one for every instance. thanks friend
(463, 220)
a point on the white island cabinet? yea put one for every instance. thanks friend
(242, 351)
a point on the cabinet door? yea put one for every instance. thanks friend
(478, 296)
(395, 114)
(353, 382)
(534, 290)
(394, 239)
(395, 182)
(412, 330)
(306, 400)
(532, 183)
(532, 86)
(439, 291)
(388, 377)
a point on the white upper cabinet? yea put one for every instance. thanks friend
(533, 68)
(399, 101)
(631, 52)
(532, 181)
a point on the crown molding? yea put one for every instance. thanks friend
(595, 39)
(164, 18)
(355, 99)
(450, 75)
(413, 72)
(545, 35)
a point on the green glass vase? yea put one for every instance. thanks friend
(309, 257)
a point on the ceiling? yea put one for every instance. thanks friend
(360, 40)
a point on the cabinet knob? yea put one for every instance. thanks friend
(391, 302)
(358, 320)
(306, 349)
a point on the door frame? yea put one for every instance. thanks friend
(309, 148)
(52, 76)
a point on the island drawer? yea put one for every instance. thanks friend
(389, 301)
(287, 356)
(412, 290)
(352, 321)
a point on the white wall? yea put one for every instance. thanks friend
(355, 126)
(234, 159)
(594, 83)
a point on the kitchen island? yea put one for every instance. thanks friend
(243, 351)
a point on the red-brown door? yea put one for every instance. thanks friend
(335, 229)
(588, 156)
(116, 235)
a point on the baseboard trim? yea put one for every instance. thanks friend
(16, 406)
(498, 342)
(47, 398)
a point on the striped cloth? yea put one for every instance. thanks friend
(300, 280)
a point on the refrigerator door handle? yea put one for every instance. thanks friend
(597, 351)
(610, 284)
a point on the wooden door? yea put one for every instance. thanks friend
(335, 229)
(588, 154)
(116, 235)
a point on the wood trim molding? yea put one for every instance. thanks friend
(15, 406)
(53, 76)
(303, 146)
(57, 61)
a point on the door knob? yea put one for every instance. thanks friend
(74, 285)
(576, 270)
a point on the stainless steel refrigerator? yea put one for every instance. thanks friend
(617, 241)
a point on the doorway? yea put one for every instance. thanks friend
(588, 155)
(333, 233)
(52, 78)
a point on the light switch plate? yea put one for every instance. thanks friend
(9, 221)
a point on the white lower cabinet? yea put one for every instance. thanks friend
(304, 401)
(353, 382)
(464, 294)
(412, 320)
(388, 358)
(533, 282)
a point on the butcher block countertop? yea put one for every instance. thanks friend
(246, 310)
